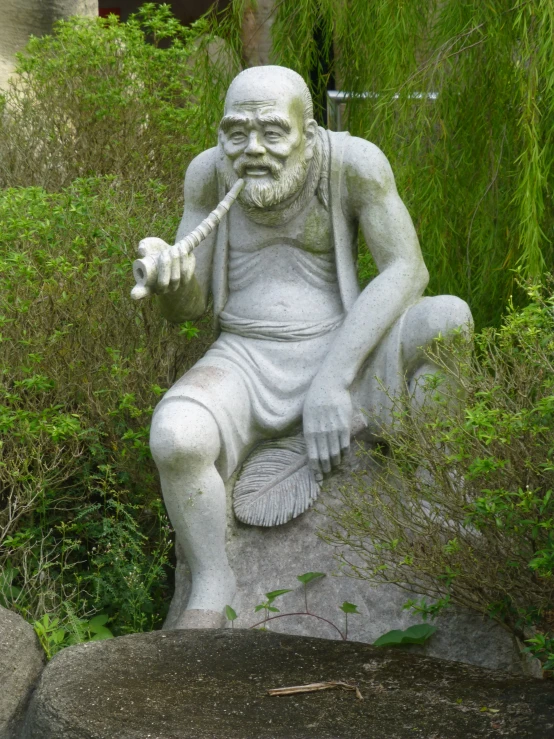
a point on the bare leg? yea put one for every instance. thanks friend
(425, 321)
(185, 444)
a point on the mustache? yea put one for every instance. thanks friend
(243, 163)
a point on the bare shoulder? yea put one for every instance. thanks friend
(201, 180)
(367, 172)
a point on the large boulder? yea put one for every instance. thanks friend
(265, 559)
(212, 684)
(21, 662)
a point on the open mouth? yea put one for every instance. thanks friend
(257, 171)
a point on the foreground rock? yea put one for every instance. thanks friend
(21, 662)
(213, 684)
(266, 559)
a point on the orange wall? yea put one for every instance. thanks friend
(186, 10)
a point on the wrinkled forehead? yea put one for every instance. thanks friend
(263, 96)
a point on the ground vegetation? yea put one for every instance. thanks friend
(462, 510)
(95, 134)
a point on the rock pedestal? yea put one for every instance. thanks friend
(21, 662)
(213, 685)
(266, 559)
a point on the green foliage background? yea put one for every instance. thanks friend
(95, 134)
(82, 526)
(460, 506)
(462, 103)
(91, 161)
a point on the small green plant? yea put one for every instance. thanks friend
(53, 636)
(268, 607)
(425, 609)
(307, 578)
(417, 634)
(541, 646)
(347, 608)
(231, 615)
(462, 510)
(50, 634)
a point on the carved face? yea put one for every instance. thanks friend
(266, 142)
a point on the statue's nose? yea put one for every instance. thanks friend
(255, 146)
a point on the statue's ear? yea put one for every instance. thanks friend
(310, 132)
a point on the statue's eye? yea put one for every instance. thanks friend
(237, 137)
(272, 135)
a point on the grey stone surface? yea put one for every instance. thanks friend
(302, 351)
(267, 559)
(211, 684)
(19, 19)
(21, 662)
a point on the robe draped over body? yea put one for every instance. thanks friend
(254, 378)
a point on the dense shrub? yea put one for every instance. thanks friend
(135, 99)
(95, 131)
(82, 526)
(463, 509)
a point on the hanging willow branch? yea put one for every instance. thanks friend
(473, 163)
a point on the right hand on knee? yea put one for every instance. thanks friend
(175, 263)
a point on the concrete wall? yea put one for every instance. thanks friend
(187, 11)
(20, 19)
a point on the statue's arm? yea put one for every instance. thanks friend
(184, 290)
(370, 197)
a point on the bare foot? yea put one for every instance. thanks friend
(213, 590)
(197, 619)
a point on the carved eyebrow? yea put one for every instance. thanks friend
(268, 119)
(274, 119)
(228, 121)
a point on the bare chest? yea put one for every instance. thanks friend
(283, 273)
(309, 231)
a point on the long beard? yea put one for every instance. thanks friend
(281, 184)
(268, 194)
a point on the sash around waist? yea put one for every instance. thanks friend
(277, 330)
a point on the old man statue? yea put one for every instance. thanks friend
(302, 357)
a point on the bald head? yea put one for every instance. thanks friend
(259, 86)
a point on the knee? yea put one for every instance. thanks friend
(449, 313)
(183, 433)
(431, 318)
(438, 315)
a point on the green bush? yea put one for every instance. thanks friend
(82, 526)
(462, 510)
(96, 131)
(135, 99)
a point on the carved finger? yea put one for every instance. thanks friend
(313, 457)
(323, 452)
(151, 246)
(188, 263)
(175, 277)
(164, 271)
(334, 448)
(344, 440)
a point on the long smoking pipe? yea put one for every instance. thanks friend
(145, 270)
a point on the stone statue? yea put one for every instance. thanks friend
(303, 359)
